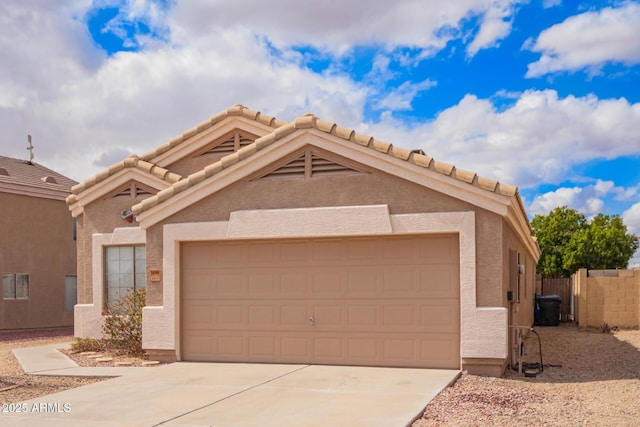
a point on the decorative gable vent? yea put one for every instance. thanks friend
(49, 179)
(4, 172)
(133, 190)
(309, 165)
(230, 144)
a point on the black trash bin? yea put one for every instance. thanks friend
(549, 306)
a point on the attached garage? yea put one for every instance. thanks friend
(307, 242)
(377, 301)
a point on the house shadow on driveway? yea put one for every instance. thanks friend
(573, 355)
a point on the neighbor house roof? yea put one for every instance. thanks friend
(32, 179)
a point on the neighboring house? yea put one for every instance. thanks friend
(37, 247)
(260, 240)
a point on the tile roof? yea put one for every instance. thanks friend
(309, 121)
(132, 161)
(237, 110)
(145, 161)
(16, 172)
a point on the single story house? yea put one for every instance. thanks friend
(37, 247)
(260, 240)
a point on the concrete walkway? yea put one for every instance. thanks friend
(231, 394)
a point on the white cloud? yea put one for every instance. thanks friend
(537, 139)
(496, 25)
(589, 40)
(631, 218)
(337, 26)
(401, 97)
(588, 199)
(80, 105)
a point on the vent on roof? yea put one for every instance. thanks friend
(309, 165)
(4, 172)
(133, 190)
(230, 144)
(49, 179)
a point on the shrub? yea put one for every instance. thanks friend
(87, 344)
(122, 328)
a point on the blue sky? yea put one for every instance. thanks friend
(543, 94)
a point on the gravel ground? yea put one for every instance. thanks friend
(15, 385)
(593, 380)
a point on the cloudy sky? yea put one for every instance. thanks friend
(543, 94)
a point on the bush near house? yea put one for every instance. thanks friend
(122, 328)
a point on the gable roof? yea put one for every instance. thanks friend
(32, 179)
(484, 192)
(147, 162)
(131, 162)
(235, 111)
(309, 121)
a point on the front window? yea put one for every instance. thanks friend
(125, 268)
(15, 286)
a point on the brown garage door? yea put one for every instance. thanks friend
(377, 301)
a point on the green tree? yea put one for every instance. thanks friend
(603, 244)
(569, 242)
(553, 231)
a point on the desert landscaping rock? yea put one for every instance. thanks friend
(590, 378)
(151, 363)
(104, 359)
(95, 356)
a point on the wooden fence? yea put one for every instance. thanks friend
(562, 287)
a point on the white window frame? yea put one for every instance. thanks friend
(128, 272)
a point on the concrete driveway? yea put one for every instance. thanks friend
(225, 394)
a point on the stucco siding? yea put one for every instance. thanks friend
(37, 239)
(362, 189)
(102, 216)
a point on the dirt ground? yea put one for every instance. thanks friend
(590, 378)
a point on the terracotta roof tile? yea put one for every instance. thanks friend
(421, 160)
(308, 121)
(130, 162)
(381, 146)
(237, 110)
(400, 153)
(363, 140)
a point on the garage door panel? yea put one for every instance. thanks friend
(362, 282)
(327, 282)
(439, 283)
(294, 284)
(439, 317)
(439, 350)
(375, 301)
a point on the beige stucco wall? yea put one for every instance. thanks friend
(101, 216)
(36, 238)
(609, 297)
(401, 196)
